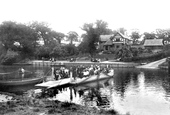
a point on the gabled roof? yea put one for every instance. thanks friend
(104, 38)
(123, 36)
(153, 42)
(109, 42)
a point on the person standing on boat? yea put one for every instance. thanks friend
(22, 71)
(57, 74)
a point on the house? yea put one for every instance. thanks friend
(155, 45)
(114, 42)
(103, 39)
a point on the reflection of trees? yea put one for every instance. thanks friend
(94, 96)
(122, 79)
(153, 76)
(166, 84)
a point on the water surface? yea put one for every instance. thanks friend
(134, 91)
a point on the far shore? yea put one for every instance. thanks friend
(83, 62)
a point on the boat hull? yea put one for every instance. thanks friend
(22, 82)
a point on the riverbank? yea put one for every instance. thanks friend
(35, 105)
(84, 62)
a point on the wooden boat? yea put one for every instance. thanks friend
(22, 82)
(18, 78)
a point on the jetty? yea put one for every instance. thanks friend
(153, 65)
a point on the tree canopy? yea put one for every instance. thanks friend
(91, 37)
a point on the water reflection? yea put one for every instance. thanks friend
(134, 91)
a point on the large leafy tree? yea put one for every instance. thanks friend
(45, 33)
(91, 36)
(149, 35)
(72, 36)
(50, 37)
(18, 37)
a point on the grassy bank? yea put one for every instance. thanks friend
(31, 105)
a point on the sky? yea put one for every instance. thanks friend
(70, 15)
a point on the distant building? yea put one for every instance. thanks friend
(114, 42)
(154, 44)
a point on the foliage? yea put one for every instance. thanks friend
(23, 39)
(124, 53)
(59, 51)
(135, 36)
(9, 58)
(91, 37)
(162, 34)
(72, 36)
(47, 34)
(122, 30)
(43, 51)
(71, 49)
(18, 37)
(149, 35)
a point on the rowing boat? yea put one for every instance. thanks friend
(22, 82)
(17, 78)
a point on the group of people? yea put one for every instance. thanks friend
(80, 71)
(61, 73)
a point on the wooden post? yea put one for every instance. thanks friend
(71, 74)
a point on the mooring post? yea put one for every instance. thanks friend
(71, 74)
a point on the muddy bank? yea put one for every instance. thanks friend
(36, 105)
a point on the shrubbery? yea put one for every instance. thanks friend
(151, 57)
(10, 58)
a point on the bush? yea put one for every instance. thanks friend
(152, 57)
(10, 58)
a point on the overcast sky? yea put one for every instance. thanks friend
(69, 15)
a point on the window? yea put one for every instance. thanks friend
(106, 48)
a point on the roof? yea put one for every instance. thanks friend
(109, 42)
(123, 36)
(105, 38)
(153, 42)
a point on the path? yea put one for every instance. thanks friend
(152, 65)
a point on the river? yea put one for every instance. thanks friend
(130, 90)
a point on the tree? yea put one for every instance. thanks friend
(135, 36)
(91, 37)
(72, 36)
(124, 53)
(47, 34)
(102, 28)
(163, 33)
(58, 51)
(18, 37)
(149, 35)
(43, 52)
(122, 30)
(50, 37)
